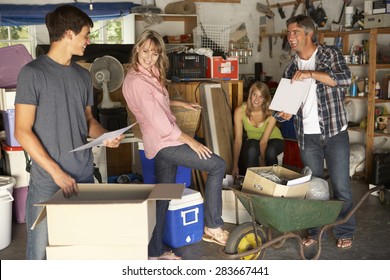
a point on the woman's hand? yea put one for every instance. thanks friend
(202, 151)
(113, 143)
(186, 105)
(235, 171)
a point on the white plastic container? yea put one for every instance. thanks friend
(6, 199)
(348, 16)
(15, 165)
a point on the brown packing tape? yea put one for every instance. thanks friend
(181, 7)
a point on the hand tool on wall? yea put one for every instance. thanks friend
(346, 3)
(265, 9)
(280, 10)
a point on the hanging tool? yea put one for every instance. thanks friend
(280, 10)
(270, 46)
(265, 9)
(346, 3)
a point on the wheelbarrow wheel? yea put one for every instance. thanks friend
(242, 238)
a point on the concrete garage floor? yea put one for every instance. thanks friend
(371, 242)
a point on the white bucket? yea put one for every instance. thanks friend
(6, 198)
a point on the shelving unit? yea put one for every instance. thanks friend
(171, 25)
(373, 66)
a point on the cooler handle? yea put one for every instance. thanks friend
(184, 216)
(8, 198)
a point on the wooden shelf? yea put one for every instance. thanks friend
(372, 67)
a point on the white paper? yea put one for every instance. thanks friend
(99, 141)
(289, 96)
(299, 180)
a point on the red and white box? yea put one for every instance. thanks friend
(220, 68)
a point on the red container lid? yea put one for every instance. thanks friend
(7, 148)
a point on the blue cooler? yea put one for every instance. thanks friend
(183, 174)
(185, 220)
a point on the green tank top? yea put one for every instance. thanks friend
(257, 132)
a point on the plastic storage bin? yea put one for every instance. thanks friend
(183, 174)
(6, 188)
(15, 165)
(185, 220)
(13, 58)
(19, 205)
(9, 127)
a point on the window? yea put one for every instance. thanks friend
(107, 32)
(13, 35)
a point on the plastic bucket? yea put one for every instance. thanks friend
(6, 199)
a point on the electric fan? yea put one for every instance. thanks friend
(107, 75)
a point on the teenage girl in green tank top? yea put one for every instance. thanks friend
(257, 139)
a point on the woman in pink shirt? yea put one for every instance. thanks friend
(148, 99)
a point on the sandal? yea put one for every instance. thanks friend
(309, 241)
(344, 243)
(169, 255)
(215, 235)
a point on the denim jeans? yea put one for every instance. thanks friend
(250, 152)
(166, 162)
(335, 150)
(37, 238)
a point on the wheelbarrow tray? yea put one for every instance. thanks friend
(290, 214)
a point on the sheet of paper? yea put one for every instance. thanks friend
(289, 96)
(299, 180)
(99, 141)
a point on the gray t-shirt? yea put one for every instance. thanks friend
(61, 94)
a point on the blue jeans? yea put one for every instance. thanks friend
(250, 152)
(335, 151)
(166, 162)
(37, 239)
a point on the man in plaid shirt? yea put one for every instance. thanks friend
(321, 122)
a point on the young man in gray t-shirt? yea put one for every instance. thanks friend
(53, 115)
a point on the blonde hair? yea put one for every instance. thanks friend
(264, 90)
(162, 63)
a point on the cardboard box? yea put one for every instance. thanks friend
(219, 68)
(98, 252)
(297, 184)
(106, 214)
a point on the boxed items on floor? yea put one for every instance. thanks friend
(276, 181)
(185, 220)
(106, 217)
(220, 68)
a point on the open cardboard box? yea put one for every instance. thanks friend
(106, 214)
(297, 184)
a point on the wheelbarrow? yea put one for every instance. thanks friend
(285, 215)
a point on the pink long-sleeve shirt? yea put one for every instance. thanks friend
(148, 100)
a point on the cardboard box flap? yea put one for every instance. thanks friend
(41, 216)
(106, 194)
(118, 193)
(167, 191)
